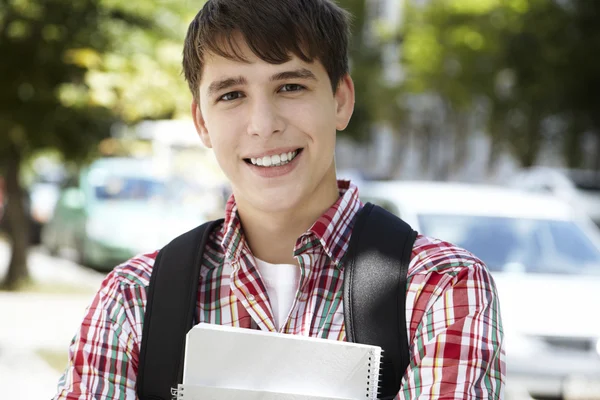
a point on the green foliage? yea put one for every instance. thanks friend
(71, 68)
(527, 60)
(375, 96)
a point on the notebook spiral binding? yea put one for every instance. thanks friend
(373, 378)
(177, 394)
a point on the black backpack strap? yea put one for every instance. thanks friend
(169, 315)
(375, 283)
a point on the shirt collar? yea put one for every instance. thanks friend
(232, 231)
(332, 229)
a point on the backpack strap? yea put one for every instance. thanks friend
(169, 315)
(375, 284)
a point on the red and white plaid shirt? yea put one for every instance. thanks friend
(453, 315)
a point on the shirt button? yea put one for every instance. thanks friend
(251, 298)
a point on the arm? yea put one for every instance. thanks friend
(457, 346)
(103, 355)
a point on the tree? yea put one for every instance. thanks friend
(529, 62)
(70, 70)
(375, 95)
(578, 71)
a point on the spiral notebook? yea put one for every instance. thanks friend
(223, 362)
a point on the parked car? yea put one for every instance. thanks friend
(118, 208)
(545, 259)
(579, 187)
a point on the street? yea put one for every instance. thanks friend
(43, 321)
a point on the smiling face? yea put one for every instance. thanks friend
(272, 128)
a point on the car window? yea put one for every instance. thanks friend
(568, 240)
(510, 244)
(127, 188)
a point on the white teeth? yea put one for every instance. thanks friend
(275, 160)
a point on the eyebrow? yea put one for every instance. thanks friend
(301, 73)
(218, 86)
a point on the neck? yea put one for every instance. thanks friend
(272, 235)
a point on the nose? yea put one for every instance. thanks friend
(265, 119)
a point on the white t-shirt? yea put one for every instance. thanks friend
(281, 281)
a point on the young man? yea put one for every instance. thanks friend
(270, 89)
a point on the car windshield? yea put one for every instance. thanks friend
(525, 245)
(128, 188)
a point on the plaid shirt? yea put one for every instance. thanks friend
(453, 315)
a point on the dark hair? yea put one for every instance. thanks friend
(273, 29)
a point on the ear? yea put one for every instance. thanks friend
(200, 124)
(344, 99)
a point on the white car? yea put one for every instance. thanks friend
(545, 259)
(581, 188)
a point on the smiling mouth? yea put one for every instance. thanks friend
(276, 160)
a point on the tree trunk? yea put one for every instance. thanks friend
(497, 131)
(597, 159)
(461, 142)
(17, 221)
(526, 144)
(401, 146)
(572, 148)
(533, 142)
(427, 149)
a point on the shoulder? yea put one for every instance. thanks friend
(435, 255)
(448, 281)
(126, 284)
(119, 303)
(135, 273)
(437, 265)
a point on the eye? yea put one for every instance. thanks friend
(291, 87)
(231, 96)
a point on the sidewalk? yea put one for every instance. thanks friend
(40, 321)
(47, 269)
(25, 376)
(32, 322)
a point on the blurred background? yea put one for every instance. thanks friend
(477, 121)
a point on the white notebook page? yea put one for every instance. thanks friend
(235, 358)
